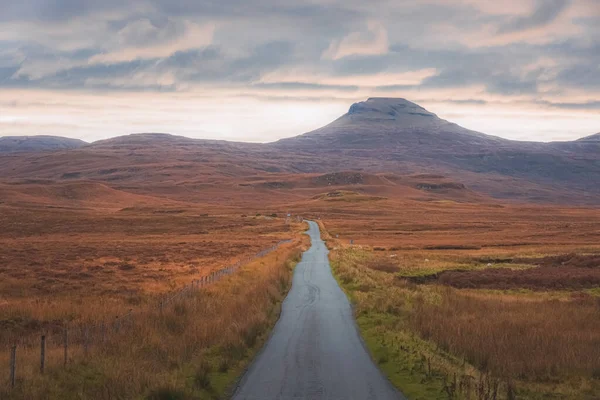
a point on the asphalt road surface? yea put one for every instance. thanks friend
(315, 351)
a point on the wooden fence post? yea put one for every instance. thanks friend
(86, 340)
(66, 345)
(43, 354)
(13, 365)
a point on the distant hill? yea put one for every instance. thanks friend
(73, 195)
(380, 132)
(377, 139)
(11, 144)
(593, 138)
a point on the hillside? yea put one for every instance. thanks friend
(591, 139)
(399, 135)
(377, 136)
(73, 195)
(9, 144)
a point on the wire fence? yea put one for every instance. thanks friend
(62, 343)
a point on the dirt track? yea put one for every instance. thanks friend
(315, 351)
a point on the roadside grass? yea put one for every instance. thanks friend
(440, 342)
(88, 267)
(540, 341)
(194, 349)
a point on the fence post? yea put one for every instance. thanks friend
(43, 354)
(66, 345)
(86, 337)
(13, 365)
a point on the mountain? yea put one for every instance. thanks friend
(10, 144)
(393, 137)
(591, 139)
(398, 135)
(395, 123)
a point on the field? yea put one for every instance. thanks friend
(456, 295)
(475, 301)
(101, 274)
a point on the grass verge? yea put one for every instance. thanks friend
(435, 342)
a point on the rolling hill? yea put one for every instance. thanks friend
(376, 138)
(9, 144)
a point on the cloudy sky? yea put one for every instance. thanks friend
(259, 70)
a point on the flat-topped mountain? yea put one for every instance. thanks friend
(397, 131)
(393, 113)
(391, 122)
(390, 109)
(10, 144)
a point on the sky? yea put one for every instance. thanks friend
(260, 70)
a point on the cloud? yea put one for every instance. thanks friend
(304, 86)
(374, 40)
(590, 105)
(144, 39)
(585, 76)
(307, 74)
(544, 13)
(541, 55)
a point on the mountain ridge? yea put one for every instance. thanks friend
(10, 144)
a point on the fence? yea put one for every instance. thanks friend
(59, 344)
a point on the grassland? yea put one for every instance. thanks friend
(456, 295)
(458, 301)
(194, 349)
(80, 267)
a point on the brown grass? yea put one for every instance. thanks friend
(535, 344)
(539, 278)
(567, 260)
(190, 348)
(68, 259)
(383, 265)
(89, 265)
(82, 267)
(536, 334)
(539, 340)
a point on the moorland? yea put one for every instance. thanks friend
(472, 275)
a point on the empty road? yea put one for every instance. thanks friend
(315, 351)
